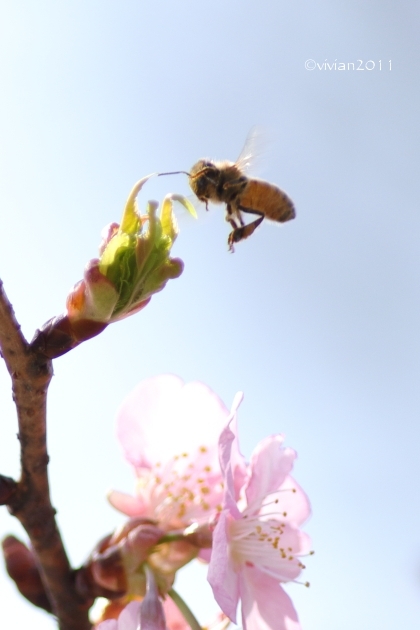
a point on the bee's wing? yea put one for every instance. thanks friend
(252, 150)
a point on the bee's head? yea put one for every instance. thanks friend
(204, 177)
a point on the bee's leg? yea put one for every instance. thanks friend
(233, 216)
(242, 232)
(230, 219)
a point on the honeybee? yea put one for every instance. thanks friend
(226, 182)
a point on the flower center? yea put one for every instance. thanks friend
(185, 490)
(270, 545)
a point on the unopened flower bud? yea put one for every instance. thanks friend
(114, 566)
(152, 616)
(134, 264)
(199, 535)
(123, 531)
(22, 567)
(7, 488)
(136, 547)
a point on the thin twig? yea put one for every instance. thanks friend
(30, 501)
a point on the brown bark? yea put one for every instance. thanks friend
(29, 500)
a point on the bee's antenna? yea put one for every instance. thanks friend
(174, 173)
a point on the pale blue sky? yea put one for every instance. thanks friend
(316, 321)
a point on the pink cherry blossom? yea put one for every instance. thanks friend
(169, 431)
(128, 619)
(151, 613)
(257, 543)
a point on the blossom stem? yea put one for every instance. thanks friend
(185, 610)
(167, 538)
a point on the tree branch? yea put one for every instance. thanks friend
(29, 500)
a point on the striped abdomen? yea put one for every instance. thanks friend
(267, 199)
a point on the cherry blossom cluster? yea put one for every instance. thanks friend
(197, 497)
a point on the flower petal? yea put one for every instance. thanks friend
(174, 618)
(130, 617)
(294, 501)
(164, 417)
(237, 460)
(227, 449)
(109, 624)
(270, 464)
(221, 576)
(125, 503)
(265, 605)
